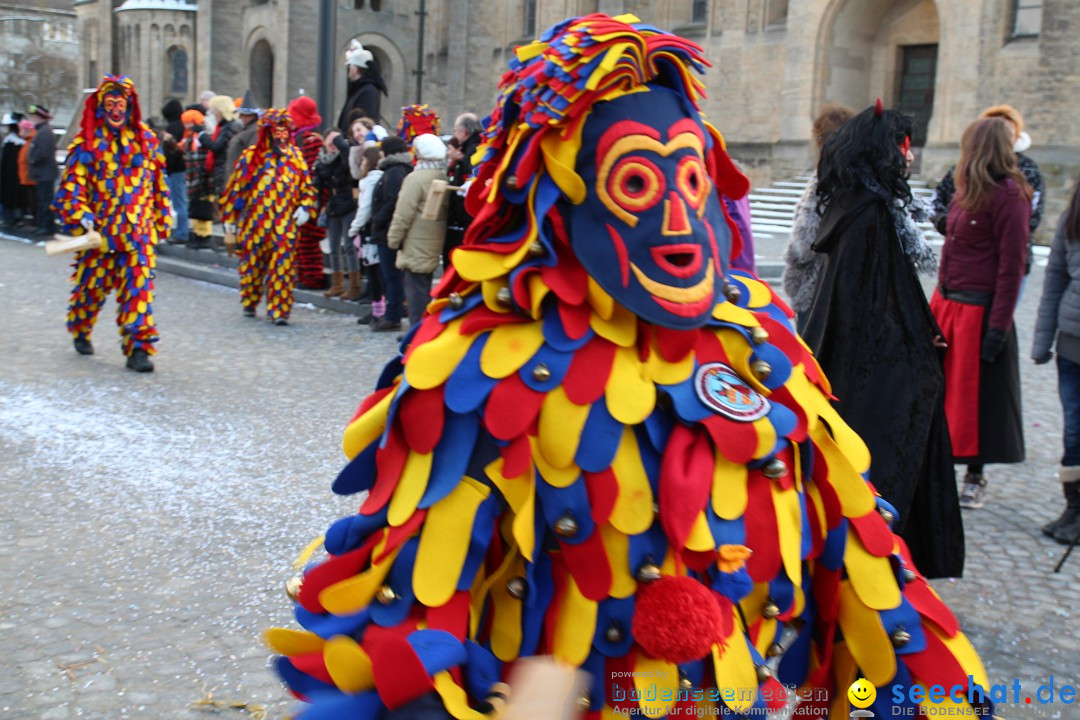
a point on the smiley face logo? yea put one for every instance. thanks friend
(862, 693)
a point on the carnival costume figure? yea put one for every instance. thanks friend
(267, 198)
(114, 184)
(417, 120)
(603, 444)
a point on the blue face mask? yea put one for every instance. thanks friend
(651, 230)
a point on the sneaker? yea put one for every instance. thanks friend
(973, 495)
(384, 325)
(83, 346)
(139, 361)
(249, 312)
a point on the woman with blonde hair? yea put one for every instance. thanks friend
(982, 267)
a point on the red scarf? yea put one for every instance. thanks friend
(209, 154)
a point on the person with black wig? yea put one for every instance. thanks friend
(872, 331)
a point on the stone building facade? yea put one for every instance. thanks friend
(775, 63)
(39, 51)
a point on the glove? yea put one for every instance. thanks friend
(1044, 359)
(992, 344)
(88, 223)
(301, 216)
(230, 229)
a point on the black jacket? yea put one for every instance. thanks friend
(332, 173)
(363, 95)
(174, 156)
(384, 196)
(220, 148)
(871, 329)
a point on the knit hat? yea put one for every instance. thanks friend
(11, 118)
(224, 105)
(429, 147)
(304, 112)
(40, 110)
(357, 55)
(26, 124)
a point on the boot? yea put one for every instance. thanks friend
(83, 346)
(139, 361)
(337, 288)
(354, 291)
(1070, 485)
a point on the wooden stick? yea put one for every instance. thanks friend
(75, 243)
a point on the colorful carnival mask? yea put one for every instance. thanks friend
(652, 230)
(115, 109)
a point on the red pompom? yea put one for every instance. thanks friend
(676, 619)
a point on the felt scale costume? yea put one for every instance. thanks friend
(417, 120)
(114, 182)
(270, 184)
(603, 445)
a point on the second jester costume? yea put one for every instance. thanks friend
(605, 445)
(268, 197)
(114, 183)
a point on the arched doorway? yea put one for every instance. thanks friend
(261, 73)
(880, 48)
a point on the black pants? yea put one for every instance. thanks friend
(43, 214)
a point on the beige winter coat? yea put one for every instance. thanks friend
(419, 242)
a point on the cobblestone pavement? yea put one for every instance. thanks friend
(148, 522)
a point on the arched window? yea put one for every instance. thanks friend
(261, 73)
(178, 71)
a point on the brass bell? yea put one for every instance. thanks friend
(584, 703)
(775, 469)
(900, 637)
(685, 684)
(763, 673)
(292, 587)
(886, 515)
(762, 369)
(503, 297)
(536, 249)
(909, 575)
(648, 573)
(541, 373)
(511, 181)
(732, 293)
(386, 595)
(770, 609)
(456, 301)
(566, 526)
(774, 650)
(614, 634)
(516, 588)
(759, 335)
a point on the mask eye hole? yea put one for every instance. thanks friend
(636, 184)
(693, 184)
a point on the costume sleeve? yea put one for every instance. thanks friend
(1056, 280)
(1011, 216)
(306, 197)
(942, 200)
(232, 201)
(162, 201)
(72, 195)
(405, 211)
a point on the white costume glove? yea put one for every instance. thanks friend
(230, 229)
(88, 223)
(301, 216)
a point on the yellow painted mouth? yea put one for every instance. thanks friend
(694, 293)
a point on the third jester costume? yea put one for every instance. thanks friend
(605, 445)
(114, 183)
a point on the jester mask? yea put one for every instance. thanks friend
(651, 230)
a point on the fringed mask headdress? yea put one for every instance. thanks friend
(417, 120)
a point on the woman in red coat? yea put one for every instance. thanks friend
(982, 266)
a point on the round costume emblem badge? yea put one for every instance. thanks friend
(721, 390)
